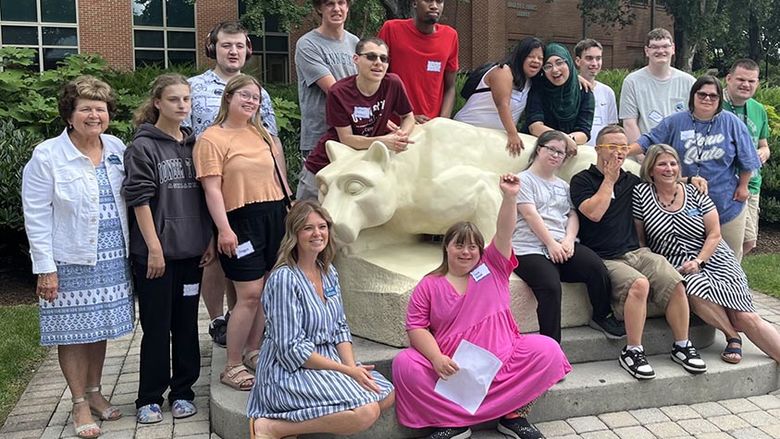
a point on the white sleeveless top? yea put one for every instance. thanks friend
(480, 110)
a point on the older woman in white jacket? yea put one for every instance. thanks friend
(76, 225)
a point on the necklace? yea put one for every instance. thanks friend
(671, 203)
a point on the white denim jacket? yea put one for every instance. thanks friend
(61, 201)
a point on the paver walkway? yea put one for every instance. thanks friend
(43, 410)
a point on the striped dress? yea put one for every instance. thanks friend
(299, 323)
(680, 235)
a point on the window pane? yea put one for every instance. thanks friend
(257, 43)
(180, 13)
(148, 38)
(241, 8)
(149, 58)
(275, 44)
(58, 11)
(18, 10)
(272, 24)
(59, 36)
(181, 40)
(276, 68)
(147, 12)
(20, 35)
(51, 56)
(181, 57)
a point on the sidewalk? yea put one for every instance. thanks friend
(43, 410)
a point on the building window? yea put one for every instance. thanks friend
(270, 59)
(49, 27)
(163, 32)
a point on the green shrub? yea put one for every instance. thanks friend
(15, 150)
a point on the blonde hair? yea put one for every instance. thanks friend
(147, 112)
(651, 156)
(237, 82)
(294, 223)
(462, 232)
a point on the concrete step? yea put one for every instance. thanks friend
(591, 388)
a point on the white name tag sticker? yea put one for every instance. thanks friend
(655, 116)
(480, 272)
(596, 120)
(191, 289)
(687, 135)
(434, 66)
(361, 112)
(244, 249)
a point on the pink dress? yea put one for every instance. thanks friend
(531, 364)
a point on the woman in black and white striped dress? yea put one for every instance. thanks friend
(678, 222)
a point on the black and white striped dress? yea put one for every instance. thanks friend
(299, 323)
(680, 235)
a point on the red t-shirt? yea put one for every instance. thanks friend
(366, 115)
(421, 61)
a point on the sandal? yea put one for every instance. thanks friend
(111, 413)
(82, 430)
(737, 350)
(250, 359)
(237, 377)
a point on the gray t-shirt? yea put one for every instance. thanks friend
(317, 56)
(649, 99)
(552, 202)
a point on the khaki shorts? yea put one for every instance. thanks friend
(751, 222)
(733, 232)
(637, 264)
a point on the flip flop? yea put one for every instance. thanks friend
(732, 350)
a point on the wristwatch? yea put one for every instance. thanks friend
(701, 262)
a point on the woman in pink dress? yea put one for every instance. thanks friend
(467, 298)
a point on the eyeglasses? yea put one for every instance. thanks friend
(659, 46)
(549, 66)
(707, 96)
(554, 152)
(371, 56)
(248, 97)
(613, 147)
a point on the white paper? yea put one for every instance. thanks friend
(469, 386)
(244, 249)
(191, 289)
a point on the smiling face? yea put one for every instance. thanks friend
(666, 170)
(334, 13)
(556, 70)
(532, 64)
(371, 70)
(742, 84)
(231, 52)
(705, 101)
(428, 11)
(89, 118)
(313, 237)
(174, 103)
(660, 52)
(244, 102)
(463, 257)
(589, 63)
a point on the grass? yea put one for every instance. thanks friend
(20, 353)
(761, 270)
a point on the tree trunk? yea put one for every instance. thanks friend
(683, 49)
(754, 36)
(398, 8)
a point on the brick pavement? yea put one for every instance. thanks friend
(43, 410)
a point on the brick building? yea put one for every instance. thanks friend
(131, 33)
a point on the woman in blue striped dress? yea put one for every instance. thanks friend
(307, 379)
(678, 222)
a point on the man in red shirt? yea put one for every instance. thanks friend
(425, 56)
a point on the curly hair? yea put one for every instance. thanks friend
(85, 87)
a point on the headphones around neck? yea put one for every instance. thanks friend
(211, 42)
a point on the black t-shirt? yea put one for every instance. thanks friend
(614, 235)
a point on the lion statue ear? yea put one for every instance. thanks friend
(338, 150)
(379, 154)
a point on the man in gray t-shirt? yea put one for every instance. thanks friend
(322, 57)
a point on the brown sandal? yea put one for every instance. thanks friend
(237, 377)
(250, 359)
(110, 413)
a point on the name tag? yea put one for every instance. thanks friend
(434, 66)
(191, 289)
(244, 249)
(596, 120)
(480, 272)
(361, 112)
(330, 291)
(687, 135)
(694, 212)
(655, 116)
(114, 159)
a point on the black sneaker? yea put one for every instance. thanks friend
(518, 428)
(612, 328)
(451, 433)
(635, 363)
(688, 358)
(218, 331)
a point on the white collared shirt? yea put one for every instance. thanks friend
(61, 202)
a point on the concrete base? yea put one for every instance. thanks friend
(593, 387)
(376, 286)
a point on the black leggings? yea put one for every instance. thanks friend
(544, 278)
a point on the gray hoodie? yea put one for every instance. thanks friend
(160, 173)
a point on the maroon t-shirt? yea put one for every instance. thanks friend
(366, 115)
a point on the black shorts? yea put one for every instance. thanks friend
(263, 225)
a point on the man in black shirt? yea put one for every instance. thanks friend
(602, 195)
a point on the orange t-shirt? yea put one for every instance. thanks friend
(243, 158)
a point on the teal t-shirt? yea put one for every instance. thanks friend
(755, 117)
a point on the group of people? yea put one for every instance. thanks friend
(204, 180)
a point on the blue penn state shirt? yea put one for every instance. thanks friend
(717, 149)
